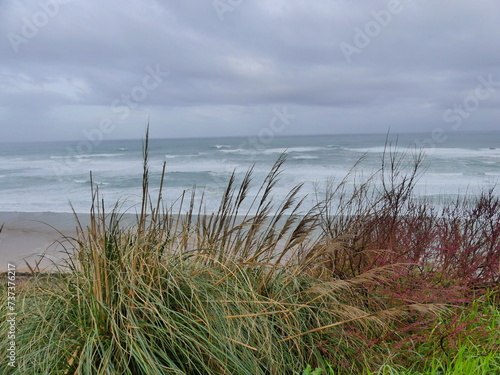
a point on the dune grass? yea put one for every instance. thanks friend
(268, 290)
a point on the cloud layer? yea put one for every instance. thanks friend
(220, 68)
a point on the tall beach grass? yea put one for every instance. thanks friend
(349, 285)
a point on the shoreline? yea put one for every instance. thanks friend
(35, 238)
(37, 249)
(43, 237)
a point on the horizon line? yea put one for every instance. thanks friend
(387, 133)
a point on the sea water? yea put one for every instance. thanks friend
(47, 177)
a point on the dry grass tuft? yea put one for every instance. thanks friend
(267, 290)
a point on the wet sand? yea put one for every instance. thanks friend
(35, 240)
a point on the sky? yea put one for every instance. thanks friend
(92, 69)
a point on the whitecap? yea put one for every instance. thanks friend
(444, 152)
(169, 156)
(83, 156)
(291, 149)
(220, 174)
(478, 173)
(305, 157)
(463, 152)
(379, 149)
(237, 151)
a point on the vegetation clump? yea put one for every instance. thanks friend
(372, 281)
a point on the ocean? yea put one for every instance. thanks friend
(46, 177)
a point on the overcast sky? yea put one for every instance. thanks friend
(70, 69)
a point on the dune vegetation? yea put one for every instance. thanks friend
(369, 281)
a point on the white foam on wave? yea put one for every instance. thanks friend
(451, 152)
(220, 174)
(463, 152)
(277, 150)
(444, 174)
(454, 181)
(109, 166)
(202, 166)
(237, 151)
(83, 156)
(88, 182)
(17, 164)
(305, 157)
(315, 173)
(291, 150)
(11, 159)
(170, 156)
(377, 150)
(222, 146)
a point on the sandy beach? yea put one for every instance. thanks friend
(36, 239)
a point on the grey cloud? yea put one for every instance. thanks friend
(262, 54)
